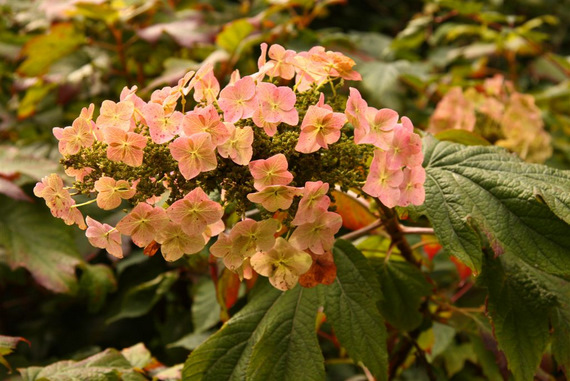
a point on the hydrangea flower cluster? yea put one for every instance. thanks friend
(271, 141)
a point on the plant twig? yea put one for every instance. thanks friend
(395, 230)
(363, 231)
(416, 230)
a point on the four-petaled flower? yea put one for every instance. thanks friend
(112, 192)
(195, 154)
(195, 212)
(238, 101)
(143, 223)
(283, 264)
(104, 236)
(271, 171)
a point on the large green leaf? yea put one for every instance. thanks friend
(522, 209)
(109, 365)
(33, 239)
(521, 300)
(272, 337)
(403, 286)
(351, 309)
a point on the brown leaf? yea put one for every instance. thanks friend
(322, 271)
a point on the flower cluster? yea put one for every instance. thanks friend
(256, 147)
(497, 112)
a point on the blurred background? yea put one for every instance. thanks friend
(476, 72)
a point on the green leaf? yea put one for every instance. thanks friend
(518, 304)
(205, 307)
(34, 95)
(107, 365)
(47, 250)
(233, 34)
(467, 138)
(485, 358)
(473, 190)
(138, 300)
(288, 349)
(455, 356)
(42, 51)
(381, 81)
(351, 309)
(231, 346)
(272, 337)
(403, 286)
(191, 341)
(137, 355)
(96, 282)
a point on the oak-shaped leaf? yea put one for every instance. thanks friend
(476, 194)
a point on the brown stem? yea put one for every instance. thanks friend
(395, 230)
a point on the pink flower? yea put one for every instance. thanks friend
(318, 235)
(238, 101)
(195, 212)
(79, 174)
(310, 68)
(313, 202)
(205, 120)
(175, 242)
(143, 223)
(356, 114)
(195, 154)
(74, 217)
(412, 187)
(112, 192)
(275, 197)
(271, 171)
(57, 198)
(206, 86)
(281, 63)
(239, 145)
(276, 105)
(162, 127)
(116, 115)
(104, 236)
(283, 264)
(383, 182)
(259, 120)
(405, 148)
(87, 112)
(320, 127)
(72, 139)
(126, 147)
(382, 122)
(224, 248)
(249, 236)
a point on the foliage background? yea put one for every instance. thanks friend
(71, 301)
